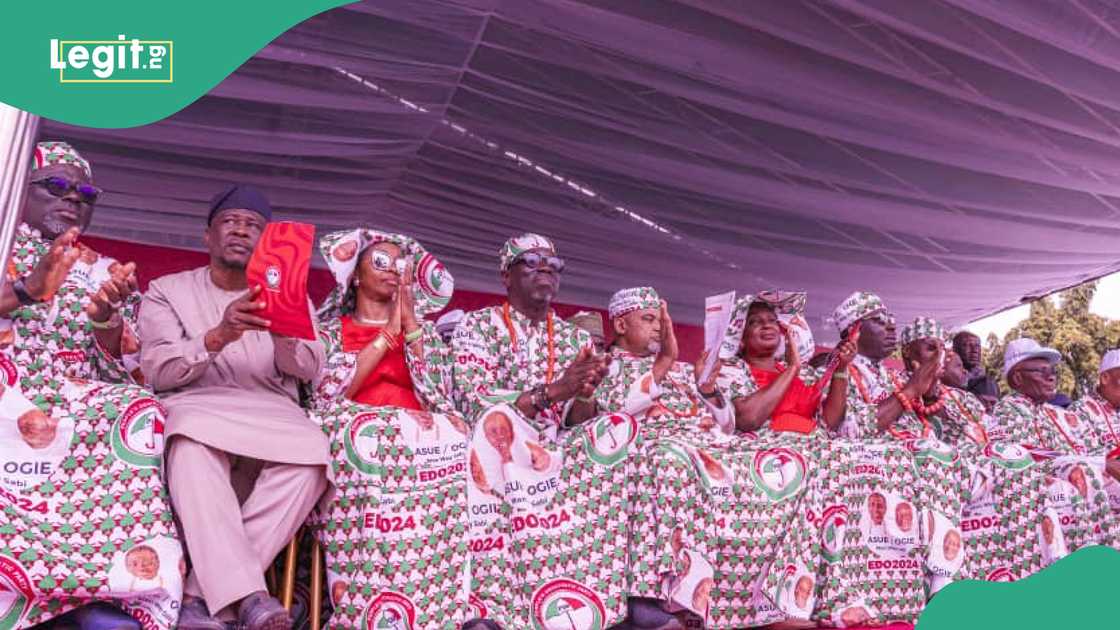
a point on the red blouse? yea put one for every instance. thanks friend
(795, 411)
(389, 384)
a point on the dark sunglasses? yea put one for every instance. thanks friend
(61, 186)
(533, 260)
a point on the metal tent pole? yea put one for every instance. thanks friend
(18, 131)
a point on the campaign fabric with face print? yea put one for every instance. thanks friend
(80, 458)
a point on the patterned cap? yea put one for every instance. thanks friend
(515, 246)
(589, 321)
(54, 152)
(432, 285)
(920, 328)
(627, 300)
(859, 305)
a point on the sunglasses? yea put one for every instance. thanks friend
(382, 261)
(533, 260)
(61, 186)
(1046, 372)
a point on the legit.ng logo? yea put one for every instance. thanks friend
(118, 60)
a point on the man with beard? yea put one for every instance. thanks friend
(230, 387)
(876, 396)
(1025, 415)
(645, 371)
(66, 310)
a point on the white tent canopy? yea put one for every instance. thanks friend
(953, 156)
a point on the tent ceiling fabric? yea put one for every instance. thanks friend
(953, 155)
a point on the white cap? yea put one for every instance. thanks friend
(1020, 350)
(449, 320)
(1110, 360)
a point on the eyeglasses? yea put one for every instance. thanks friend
(1045, 372)
(382, 261)
(61, 186)
(533, 260)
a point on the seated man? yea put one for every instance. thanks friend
(950, 414)
(66, 335)
(231, 392)
(1026, 415)
(1099, 413)
(523, 378)
(877, 395)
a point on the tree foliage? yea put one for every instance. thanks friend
(1068, 327)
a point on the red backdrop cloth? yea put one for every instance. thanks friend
(153, 262)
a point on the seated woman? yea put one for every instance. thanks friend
(783, 397)
(395, 533)
(87, 518)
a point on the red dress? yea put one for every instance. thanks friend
(795, 411)
(389, 384)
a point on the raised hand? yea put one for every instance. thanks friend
(793, 358)
(708, 386)
(104, 304)
(669, 351)
(845, 353)
(406, 300)
(581, 378)
(47, 276)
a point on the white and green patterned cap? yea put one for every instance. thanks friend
(57, 152)
(920, 328)
(517, 245)
(627, 300)
(859, 305)
(432, 284)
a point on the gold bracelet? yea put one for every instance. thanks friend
(839, 376)
(414, 336)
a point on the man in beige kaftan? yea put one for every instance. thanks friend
(230, 388)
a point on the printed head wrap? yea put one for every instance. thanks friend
(789, 306)
(56, 152)
(432, 285)
(920, 328)
(517, 245)
(859, 305)
(627, 300)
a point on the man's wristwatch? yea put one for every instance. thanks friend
(22, 294)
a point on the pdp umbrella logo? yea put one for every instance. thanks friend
(778, 472)
(607, 440)
(16, 593)
(928, 448)
(360, 442)
(272, 277)
(477, 607)
(832, 530)
(434, 281)
(138, 433)
(1009, 455)
(390, 611)
(566, 605)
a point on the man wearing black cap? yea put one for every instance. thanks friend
(230, 388)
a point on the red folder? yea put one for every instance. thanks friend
(280, 265)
